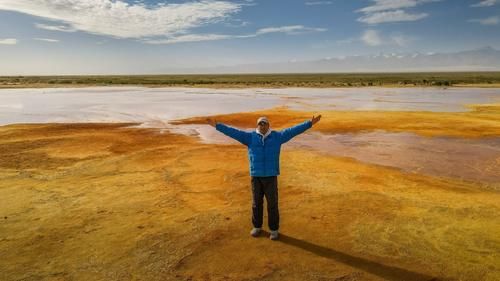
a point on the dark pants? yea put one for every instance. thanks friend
(268, 187)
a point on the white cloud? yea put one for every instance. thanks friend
(485, 3)
(487, 21)
(160, 24)
(374, 38)
(291, 30)
(237, 23)
(315, 3)
(63, 28)
(391, 16)
(371, 38)
(190, 38)
(383, 5)
(391, 11)
(8, 41)
(119, 19)
(46, 40)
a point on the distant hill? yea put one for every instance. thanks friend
(482, 59)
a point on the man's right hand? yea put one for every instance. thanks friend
(211, 122)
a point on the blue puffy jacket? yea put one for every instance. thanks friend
(264, 154)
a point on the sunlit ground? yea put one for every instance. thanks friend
(90, 201)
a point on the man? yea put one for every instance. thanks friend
(264, 147)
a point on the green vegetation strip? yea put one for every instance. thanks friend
(263, 80)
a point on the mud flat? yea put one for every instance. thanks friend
(87, 201)
(385, 187)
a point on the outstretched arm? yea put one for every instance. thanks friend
(289, 133)
(237, 134)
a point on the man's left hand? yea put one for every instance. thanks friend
(315, 119)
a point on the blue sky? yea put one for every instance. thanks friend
(134, 37)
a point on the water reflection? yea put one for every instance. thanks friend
(159, 105)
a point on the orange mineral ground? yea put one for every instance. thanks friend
(114, 202)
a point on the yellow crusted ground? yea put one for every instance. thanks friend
(107, 202)
(481, 121)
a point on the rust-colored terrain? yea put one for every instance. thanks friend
(112, 202)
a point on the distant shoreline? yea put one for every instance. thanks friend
(331, 80)
(225, 86)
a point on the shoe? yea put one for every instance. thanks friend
(274, 235)
(255, 231)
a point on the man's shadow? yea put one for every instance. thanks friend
(384, 271)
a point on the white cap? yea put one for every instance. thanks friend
(262, 119)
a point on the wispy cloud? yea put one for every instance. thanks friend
(46, 40)
(63, 28)
(391, 11)
(316, 3)
(8, 41)
(391, 16)
(374, 38)
(237, 23)
(119, 19)
(487, 21)
(291, 30)
(189, 38)
(371, 38)
(384, 5)
(485, 3)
